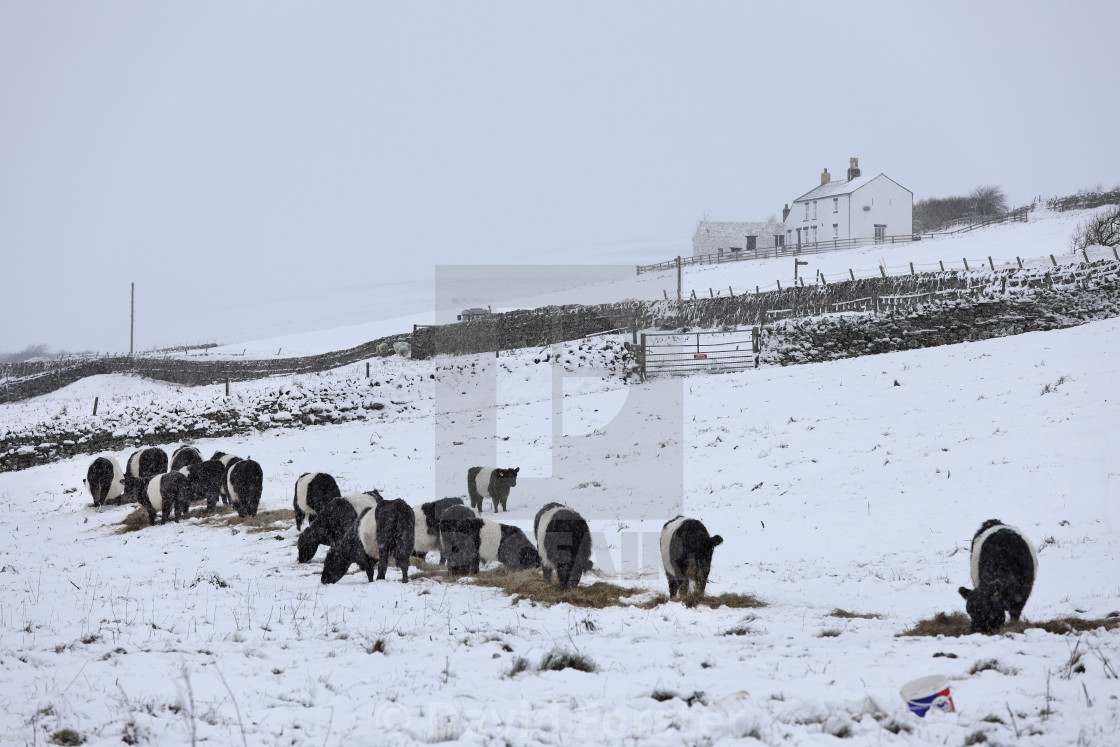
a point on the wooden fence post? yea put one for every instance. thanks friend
(367, 369)
(966, 264)
(1020, 262)
(882, 271)
(227, 386)
(912, 269)
(779, 285)
(991, 263)
(1054, 261)
(852, 274)
(1114, 254)
(942, 265)
(643, 356)
(95, 405)
(711, 293)
(731, 291)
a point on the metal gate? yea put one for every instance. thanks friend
(683, 354)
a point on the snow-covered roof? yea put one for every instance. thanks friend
(841, 187)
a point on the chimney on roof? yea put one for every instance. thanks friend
(785, 212)
(825, 177)
(853, 168)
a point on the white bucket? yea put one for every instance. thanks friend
(929, 692)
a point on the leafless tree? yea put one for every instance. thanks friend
(1102, 229)
(988, 201)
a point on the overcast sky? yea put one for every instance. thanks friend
(254, 155)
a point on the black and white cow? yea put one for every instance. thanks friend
(564, 544)
(331, 525)
(1004, 565)
(159, 494)
(460, 530)
(205, 481)
(427, 525)
(379, 533)
(184, 456)
(104, 480)
(514, 550)
(244, 485)
(313, 491)
(686, 554)
(227, 460)
(490, 482)
(144, 464)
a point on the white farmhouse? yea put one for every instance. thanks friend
(861, 207)
(734, 239)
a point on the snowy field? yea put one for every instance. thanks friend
(853, 486)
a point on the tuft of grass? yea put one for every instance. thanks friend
(976, 737)
(134, 522)
(845, 615)
(732, 601)
(992, 664)
(67, 737)
(519, 665)
(560, 659)
(957, 624)
(829, 633)
(662, 695)
(376, 647)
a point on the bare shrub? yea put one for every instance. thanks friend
(1102, 229)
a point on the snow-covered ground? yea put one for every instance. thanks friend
(854, 485)
(849, 486)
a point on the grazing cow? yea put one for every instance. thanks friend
(227, 460)
(184, 456)
(331, 524)
(380, 532)
(244, 485)
(104, 480)
(160, 494)
(514, 550)
(205, 481)
(143, 464)
(427, 525)
(1004, 565)
(686, 554)
(313, 491)
(460, 529)
(490, 482)
(564, 544)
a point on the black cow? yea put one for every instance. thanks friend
(564, 544)
(379, 533)
(427, 525)
(143, 464)
(1004, 565)
(184, 456)
(205, 481)
(160, 494)
(227, 460)
(514, 550)
(104, 480)
(490, 482)
(244, 485)
(686, 554)
(459, 532)
(313, 491)
(331, 525)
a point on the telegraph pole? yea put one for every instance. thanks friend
(132, 319)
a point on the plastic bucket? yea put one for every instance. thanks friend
(929, 692)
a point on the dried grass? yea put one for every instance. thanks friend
(958, 624)
(844, 614)
(222, 517)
